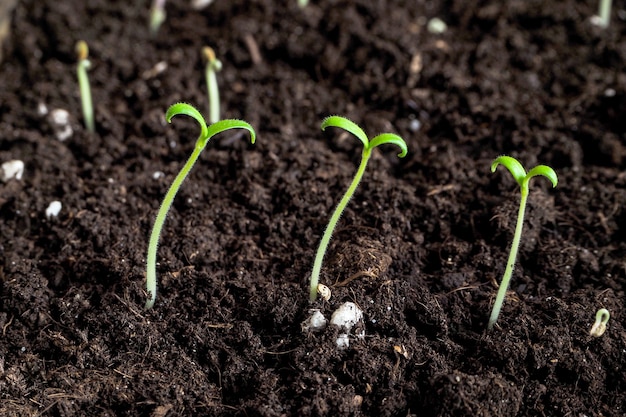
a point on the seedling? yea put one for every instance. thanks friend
(599, 327)
(303, 3)
(206, 134)
(603, 17)
(522, 178)
(213, 65)
(351, 127)
(157, 16)
(82, 52)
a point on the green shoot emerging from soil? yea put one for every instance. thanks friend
(599, 327)
(368, 145)
(205, 135)
(213, 65)
(603, 18)
(157, 16)
(522, 178)
(82, 53)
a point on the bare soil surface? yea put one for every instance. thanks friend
(420, 249)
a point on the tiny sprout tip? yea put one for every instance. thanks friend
(599, 326)
(82, 50)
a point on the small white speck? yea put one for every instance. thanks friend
(12, 169)
(60, 117)
(609, 92)
(42, 109)
(415, 125)
(436, 26)
(157, 174)
(343, 341)
(53, 209)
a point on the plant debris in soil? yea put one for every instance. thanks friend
(420, 249)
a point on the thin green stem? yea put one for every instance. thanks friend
(213, 65)
(151, 285)
(510, 265)
(157, 16)
(206, 133)
(83, 83)
(321, 251)
(604, 12)
(214, 96)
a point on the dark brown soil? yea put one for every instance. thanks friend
(423, 243)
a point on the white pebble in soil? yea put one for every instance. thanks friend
(315, 322)
(12, 169)
(345, 317)
(60, 120)
(53, 209)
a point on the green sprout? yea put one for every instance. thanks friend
(351, 127)
(522, 178)
(303, 3)
(213, 65)
(599, 327)
(157, 16)
(82, 52)
(205, 135)
(603, 18)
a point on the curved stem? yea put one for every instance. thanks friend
(151, 285)
(321, 251)
(508, 272)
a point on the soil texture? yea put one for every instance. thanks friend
(420, 249)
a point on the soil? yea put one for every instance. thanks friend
(420, 249)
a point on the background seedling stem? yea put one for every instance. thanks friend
(157, 16)
(604, 14)
(82, 53)
(213, 65)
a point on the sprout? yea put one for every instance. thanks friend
(351, 127)
(205, 135)
(157, 16)
(603, 17)
(82, 52)
(522, 178)
(213, 65)
(599, 327)
(303, 3)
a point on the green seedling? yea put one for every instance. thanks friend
(522, 178)
(157, 16)
(82, 52)
(303, 3)
(213, 65)
(603, 17)
(368, 145)
(206, 134)
(599, 327)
